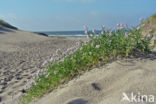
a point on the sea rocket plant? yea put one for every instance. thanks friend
(62, 66)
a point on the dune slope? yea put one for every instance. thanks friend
(105, 85)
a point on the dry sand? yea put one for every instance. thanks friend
(21, 55)
(105, 85)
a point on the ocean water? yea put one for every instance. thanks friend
(67, 33)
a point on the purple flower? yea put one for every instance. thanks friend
(138, 28)
(94, 31)
(149, 35)
(143, 25)
(141, 19)
(85, 27)
(51, 59)
(121, 25)
(38, 71)
(69, 49)
(102, 32)
(86, 32)
(125, 25)
(118, 25)
(25, 87)
(97, 46)
(44, 63)
(103, 26)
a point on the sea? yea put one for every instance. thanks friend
(77, 34)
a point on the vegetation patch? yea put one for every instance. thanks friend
(100, 49)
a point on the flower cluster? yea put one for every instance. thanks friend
(122, 26)
(57, 57)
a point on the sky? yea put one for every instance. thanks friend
(64, 15)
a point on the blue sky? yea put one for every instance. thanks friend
(56, 15)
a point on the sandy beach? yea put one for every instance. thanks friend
(22, 54)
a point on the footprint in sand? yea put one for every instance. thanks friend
(96, 86)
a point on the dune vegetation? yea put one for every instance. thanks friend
(7, 25)
(99, 49)
(150, 25)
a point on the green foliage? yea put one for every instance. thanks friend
(99, 50)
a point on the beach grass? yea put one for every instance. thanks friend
(98, 50)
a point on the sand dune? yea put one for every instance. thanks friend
(105, 85)
(21, 55)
